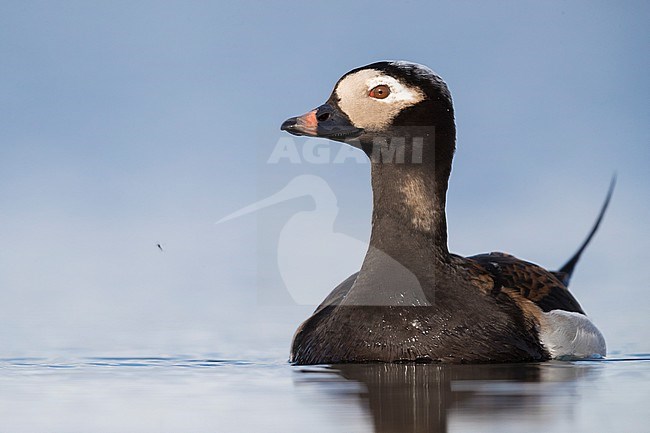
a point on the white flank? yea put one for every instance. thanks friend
(569, 335)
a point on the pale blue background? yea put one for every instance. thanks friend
(127, 124)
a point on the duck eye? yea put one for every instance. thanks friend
(379, 92)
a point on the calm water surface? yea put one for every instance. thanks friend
(195, 394)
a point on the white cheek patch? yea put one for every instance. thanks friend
(399, 93)
(369, 113)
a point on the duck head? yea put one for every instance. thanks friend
(381, 101)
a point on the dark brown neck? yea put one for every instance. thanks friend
(408, 220)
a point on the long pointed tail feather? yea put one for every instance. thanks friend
(564, 274)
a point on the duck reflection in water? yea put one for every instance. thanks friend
(414, 398)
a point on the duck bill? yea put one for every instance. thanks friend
(307, 124)
(326, 121)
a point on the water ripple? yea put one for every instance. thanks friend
(119, 361)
